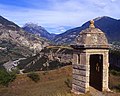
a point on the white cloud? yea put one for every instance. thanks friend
(62, 12)
(113, 0)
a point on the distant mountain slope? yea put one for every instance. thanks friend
(8, 24)
(38, 30)
(15, 42)
(108, 25)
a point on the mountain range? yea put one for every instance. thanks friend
(22, 42)
(106, 24)
(16, 43)
(38, 30)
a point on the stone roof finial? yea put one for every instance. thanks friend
(92, 24)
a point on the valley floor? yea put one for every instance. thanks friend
(52, 83)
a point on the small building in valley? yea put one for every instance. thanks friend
(90, 60)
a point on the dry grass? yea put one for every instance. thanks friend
(51, 83)
(114, 81)
(66, 47)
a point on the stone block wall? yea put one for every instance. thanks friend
(81, 71)
(80, 78)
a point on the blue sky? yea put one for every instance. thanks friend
(58, 16)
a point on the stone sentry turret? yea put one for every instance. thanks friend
(90, 60)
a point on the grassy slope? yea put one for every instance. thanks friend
(51, 83)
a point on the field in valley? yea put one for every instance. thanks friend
(52, 83)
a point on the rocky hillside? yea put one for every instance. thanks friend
(49, 58)
(38, 30)
(15, 42)
(108, 25)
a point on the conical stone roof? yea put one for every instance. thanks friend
(91, 38)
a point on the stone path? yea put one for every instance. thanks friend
(95, 92)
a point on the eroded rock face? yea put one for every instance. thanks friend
(16, 43)
(12, 33)
(20, 37)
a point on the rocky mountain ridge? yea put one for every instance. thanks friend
(38, 30)
(17, 42)
(107, 24)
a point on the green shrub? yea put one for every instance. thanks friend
(117, 88)
(45, 73)
(68, 82)
(114, 72)
(6, 78)
(34, 76)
